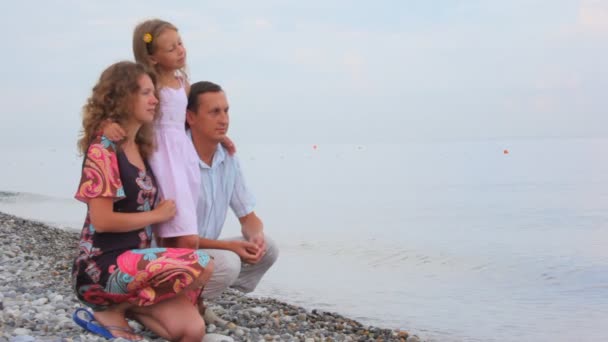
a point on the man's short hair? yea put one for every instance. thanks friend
(199, 88)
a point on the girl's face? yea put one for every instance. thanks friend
(170, 53)
(144, 101)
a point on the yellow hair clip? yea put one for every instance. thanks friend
(148, 38)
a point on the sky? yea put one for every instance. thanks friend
(327, 71)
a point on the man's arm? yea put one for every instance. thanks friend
(252, 227)
(249, 252)
(242, 203)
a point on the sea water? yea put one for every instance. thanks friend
(454, 241)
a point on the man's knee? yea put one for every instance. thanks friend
(272, 252)
(227, 267)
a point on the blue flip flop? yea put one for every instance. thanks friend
(90, 324)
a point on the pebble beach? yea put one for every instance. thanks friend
(36, 299)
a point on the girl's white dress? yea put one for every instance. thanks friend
(175, 164)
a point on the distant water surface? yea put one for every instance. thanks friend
(453, 241)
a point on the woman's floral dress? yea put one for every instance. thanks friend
(114, 268)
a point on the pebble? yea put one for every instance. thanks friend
(217, 338)
(23, 338)
(21, 331)
(37, 300)
(258, 310)
(40, 301)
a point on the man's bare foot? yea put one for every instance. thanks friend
(114, 320)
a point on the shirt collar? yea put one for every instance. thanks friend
(218, 157)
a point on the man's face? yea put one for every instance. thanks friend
(211, 118)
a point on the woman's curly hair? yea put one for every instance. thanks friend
(112, 101)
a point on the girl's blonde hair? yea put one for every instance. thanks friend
(112, 100)
(145, 37)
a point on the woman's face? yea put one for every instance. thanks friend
(145, 101)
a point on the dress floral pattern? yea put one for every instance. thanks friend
(113, 268)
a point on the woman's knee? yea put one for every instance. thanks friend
(195, 330)
(181, 320)
(188, 332)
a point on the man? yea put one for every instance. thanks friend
(239, 262)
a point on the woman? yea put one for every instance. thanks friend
(115, 272)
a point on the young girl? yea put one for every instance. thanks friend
(157, 44)
(115, 272)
